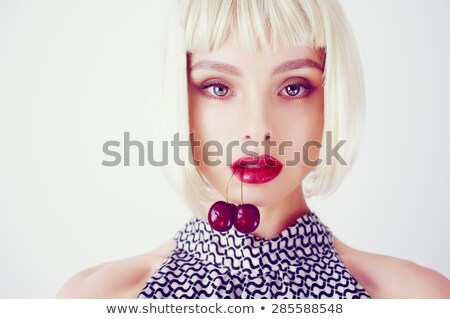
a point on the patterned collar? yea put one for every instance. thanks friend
(305, 238)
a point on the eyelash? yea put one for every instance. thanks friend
(205, 86)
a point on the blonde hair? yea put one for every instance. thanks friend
(263, 25)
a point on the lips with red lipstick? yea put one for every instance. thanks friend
(256, 170)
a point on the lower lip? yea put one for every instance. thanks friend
(257, 175)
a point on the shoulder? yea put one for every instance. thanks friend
(390, 277)
(116, 279)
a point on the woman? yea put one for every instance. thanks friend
(275, 85)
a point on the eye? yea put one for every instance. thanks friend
(294, 90)
(216, 89)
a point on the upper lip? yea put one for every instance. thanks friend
(256, 162)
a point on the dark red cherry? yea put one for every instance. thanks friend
(246, 218)
(221, 215)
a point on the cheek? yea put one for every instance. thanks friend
(197, 126)
(314, 117)
(211, 123)
(210, 120)
(303, 128)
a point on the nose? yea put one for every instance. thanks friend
(257, 118)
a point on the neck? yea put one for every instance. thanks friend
(274, 219)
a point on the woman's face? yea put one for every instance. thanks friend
(235, 97)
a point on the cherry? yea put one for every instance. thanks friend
(221, 215)
(246, 218)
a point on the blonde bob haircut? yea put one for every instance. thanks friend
(262, 25)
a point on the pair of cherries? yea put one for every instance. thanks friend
(223, 215)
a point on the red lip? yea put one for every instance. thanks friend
(256, 170)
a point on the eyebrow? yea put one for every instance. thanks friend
(216, 66)
(296, 64)
(230, 69)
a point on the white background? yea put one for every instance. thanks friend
(75, 74)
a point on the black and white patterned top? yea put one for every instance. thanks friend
(301, 262)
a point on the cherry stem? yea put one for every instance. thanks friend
(226, 195)
(242, 196)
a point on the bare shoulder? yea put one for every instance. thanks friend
(116, 279)
(390, 277)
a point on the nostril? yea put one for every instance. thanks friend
(266, 136)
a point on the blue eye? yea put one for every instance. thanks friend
(293, 90)
(296, 91)
(215, 90)
(218, 89)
